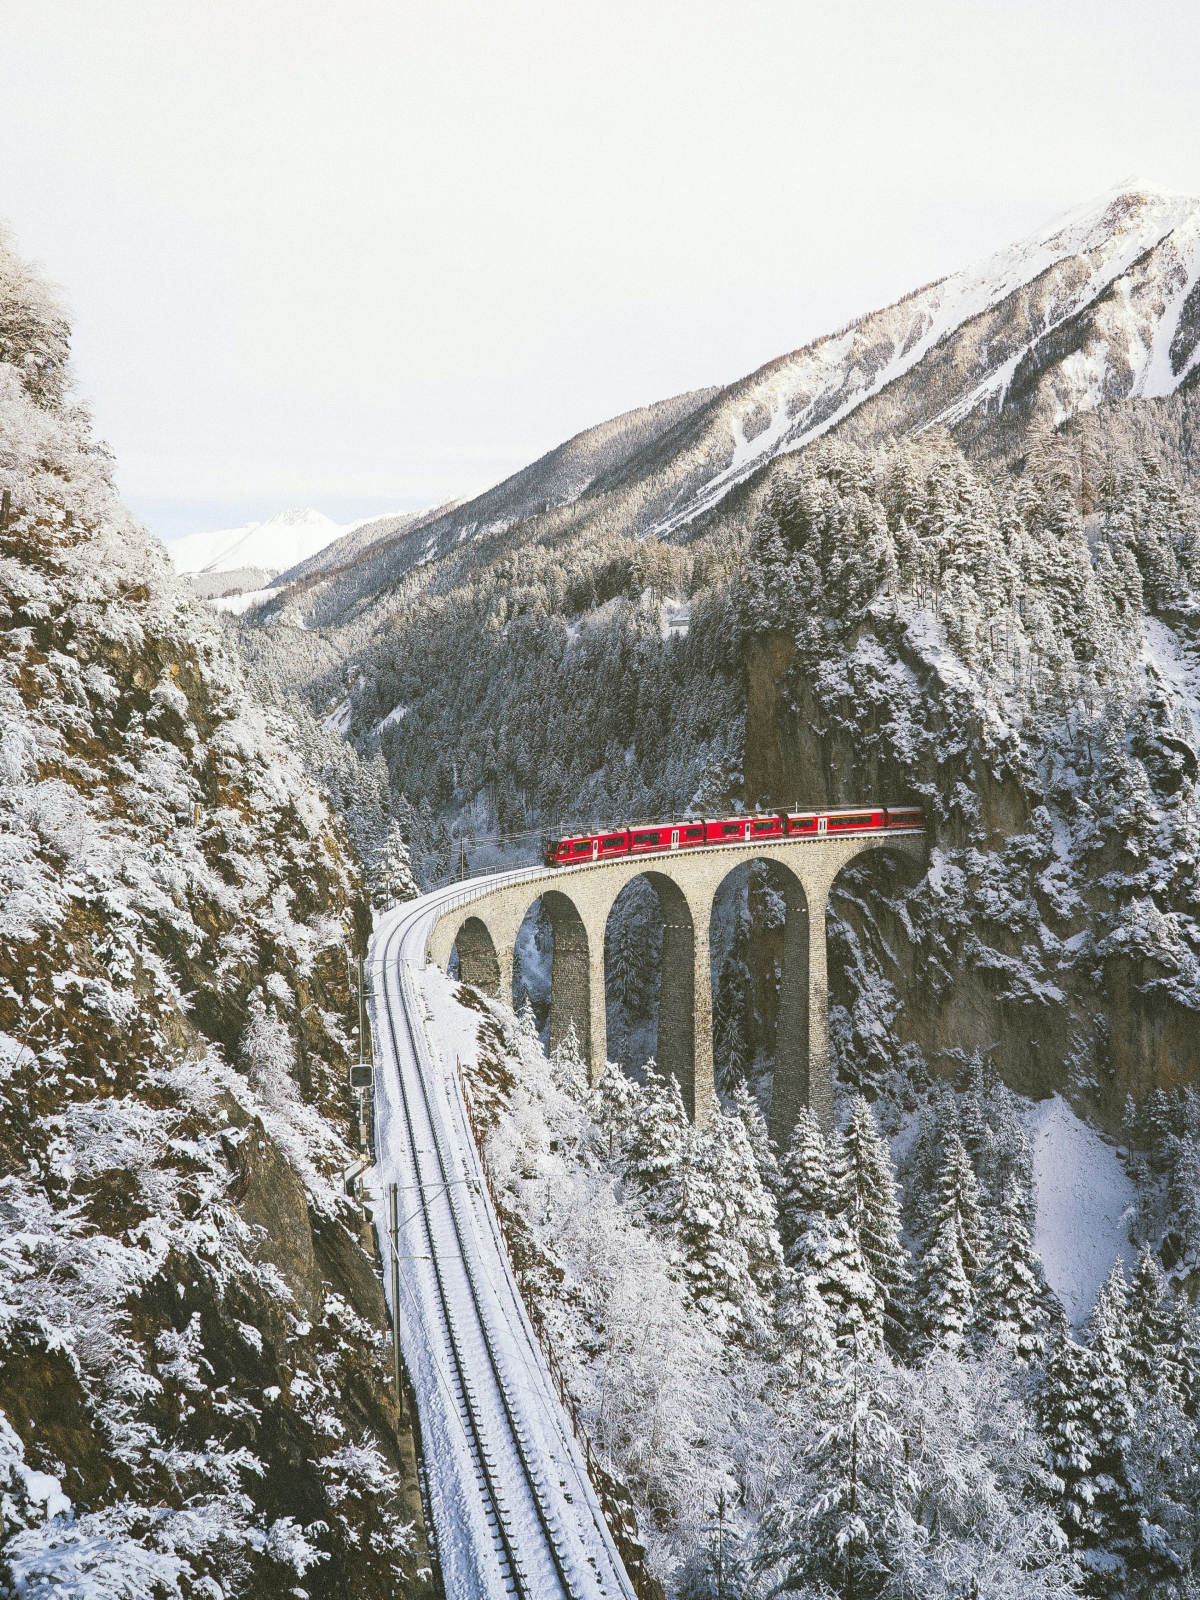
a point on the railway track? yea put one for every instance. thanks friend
(513, 1509)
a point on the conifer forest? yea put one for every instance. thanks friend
(942, 1344)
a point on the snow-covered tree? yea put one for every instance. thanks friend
(806, 1332)
(1010, 1309)
(391, 874)
(727, 1225)
(570, 1069)
(821, 1244)
(615, 1104)
(526, 1020)
(871, 1209)
(806, 1186)
(717, 1569)
(749, 1114)
(852, 1529)
(657, 1142)
(1150, 1359)
(946, 1281)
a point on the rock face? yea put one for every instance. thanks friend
(1056, 927)
(194, 1370)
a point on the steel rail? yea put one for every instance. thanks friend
(495, 1512)
(426, 1135)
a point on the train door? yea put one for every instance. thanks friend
(746, 831)
(595, 849)
(674, 838)
(822, 824)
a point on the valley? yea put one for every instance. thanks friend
(867, 1274)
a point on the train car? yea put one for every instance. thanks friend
(642, 840)
(562, 852)
(801, 823)
(906, 816)
(659, 837)
(861, 821)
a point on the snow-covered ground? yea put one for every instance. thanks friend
(1085, 1202)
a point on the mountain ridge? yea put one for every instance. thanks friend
(1102, 304)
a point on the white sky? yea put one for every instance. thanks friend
(366, 256)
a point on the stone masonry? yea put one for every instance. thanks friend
(578, 901)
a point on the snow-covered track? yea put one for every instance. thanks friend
(513, 1509)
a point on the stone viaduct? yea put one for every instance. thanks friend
(578, 901)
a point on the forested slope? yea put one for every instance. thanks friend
(194, 1375)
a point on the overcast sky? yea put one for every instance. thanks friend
(370, 256)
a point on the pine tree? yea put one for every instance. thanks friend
(657, 1142)
(1086, 1415)
(568, 1065)
(1150, 1364)
(872, 1209)
(717, 1570)
(391, 877)
(615, 1104)
(806, 1188)
(746, 1108)
(1010, 1309)
(1113, 1507)
(951, 1262)
(1068, 1434)
(526, 1020)
(855, 1524)
(727, 1225)
(821, 1244)
(806, 1331)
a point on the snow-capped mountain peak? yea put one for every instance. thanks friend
(1103, 303)
(272, 546)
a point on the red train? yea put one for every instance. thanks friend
(698, 831)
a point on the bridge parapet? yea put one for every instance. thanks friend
(579, 900)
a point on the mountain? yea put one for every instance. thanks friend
(195, 1388)
(1101, 306)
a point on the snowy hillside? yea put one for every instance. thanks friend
(1100, 305)
(272, 546)
(195, 1396)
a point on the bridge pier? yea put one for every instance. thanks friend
(578, 902)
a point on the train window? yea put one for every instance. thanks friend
(645, 838)
(730, 828)
(693, 833)
(798, 823)
(768, 826)
(850, 822)
(581, 845)
(612, 842)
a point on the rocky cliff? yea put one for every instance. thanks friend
(1056, 928)
(195, 1392)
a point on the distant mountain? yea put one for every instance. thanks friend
(1102, 305)
(271, 546)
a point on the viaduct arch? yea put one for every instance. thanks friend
(578, 901)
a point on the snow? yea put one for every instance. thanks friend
(272, 546)
(339, 719)
(807, 393)
(1085, 1202)
(396, 714)
(1163, 650)
(237, 604)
